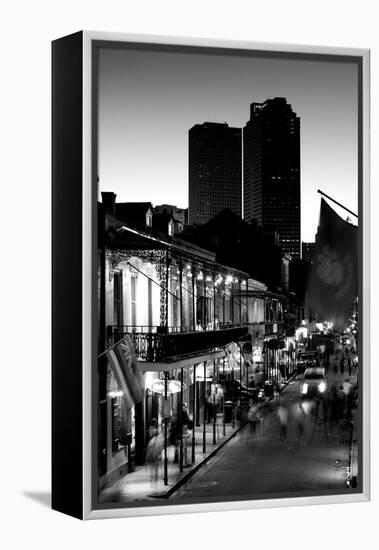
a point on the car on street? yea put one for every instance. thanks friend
(307, 359)
(313, 383)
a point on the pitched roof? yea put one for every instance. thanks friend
(133, 213)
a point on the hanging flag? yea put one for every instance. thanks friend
(119, 376)
(125, 367)
(247, 353)
(332, 285)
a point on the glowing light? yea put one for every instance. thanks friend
(115, 393)
(199, 276)
(304, 389)
(158, 386)
(321, 387)
(301, 332)
(229, 279)
(208, 278)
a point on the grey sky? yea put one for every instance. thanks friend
(149, 100)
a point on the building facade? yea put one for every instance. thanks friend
(271, 159)
(307, 251)
(215, 171)
(187, 322)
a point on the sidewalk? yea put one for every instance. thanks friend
(137, 486)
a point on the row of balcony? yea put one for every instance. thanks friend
(169, 343)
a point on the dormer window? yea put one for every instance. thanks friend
(149, 218)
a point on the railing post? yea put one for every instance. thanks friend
(247, 300)
(223, 398)
(233, 401)
(193, 298)
(214, 402)
(181, 421)
(194, 414)
(204, 406)
(240, 299)
(165, 475)
(181, 291)
(231, 303)
(214, 300)
(240, 392)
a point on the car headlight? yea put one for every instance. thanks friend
(321, 387)
(304, 389)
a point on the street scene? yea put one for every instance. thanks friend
(315, 448)
(227, 284)
(313, 440)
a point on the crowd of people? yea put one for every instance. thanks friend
(304, 414)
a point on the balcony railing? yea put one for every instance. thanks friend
(165, 344)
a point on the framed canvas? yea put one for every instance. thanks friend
(210, 275)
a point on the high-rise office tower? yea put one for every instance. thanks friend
(215, 171)
(271, 149)
(307, 251)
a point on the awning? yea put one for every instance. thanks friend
(147, 366)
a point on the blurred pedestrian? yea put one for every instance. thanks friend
(340, 402)
(298, 416)
(349, 364)
(253, 417)
(153, 428)
(262, 414)
(154, 458)
(209, 407)
(342, 365)
(332, 405)
(347, 388)
(283, 414)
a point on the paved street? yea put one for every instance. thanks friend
(260, 464)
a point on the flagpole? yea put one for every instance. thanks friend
(338, 203)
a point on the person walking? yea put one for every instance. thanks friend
(253, 417)
(347, 388)
(298, 416)
(283, 414)
(342, 365)
(154, 457)
(153, 428)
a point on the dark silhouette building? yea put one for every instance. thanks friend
(246, 246)
(271, 146)
(215, 171)
(307, 251)
(179, 214)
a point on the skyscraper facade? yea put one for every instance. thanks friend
(271, 150)
(215, 171)
(307, 251)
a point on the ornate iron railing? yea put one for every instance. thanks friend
(160, 344)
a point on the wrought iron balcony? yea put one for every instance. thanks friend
(165, 344)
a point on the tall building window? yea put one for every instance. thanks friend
(149, 302)
(133, 299)
(117, 298)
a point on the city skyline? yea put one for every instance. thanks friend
(148, 100)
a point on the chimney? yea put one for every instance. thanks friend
(109, 202)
